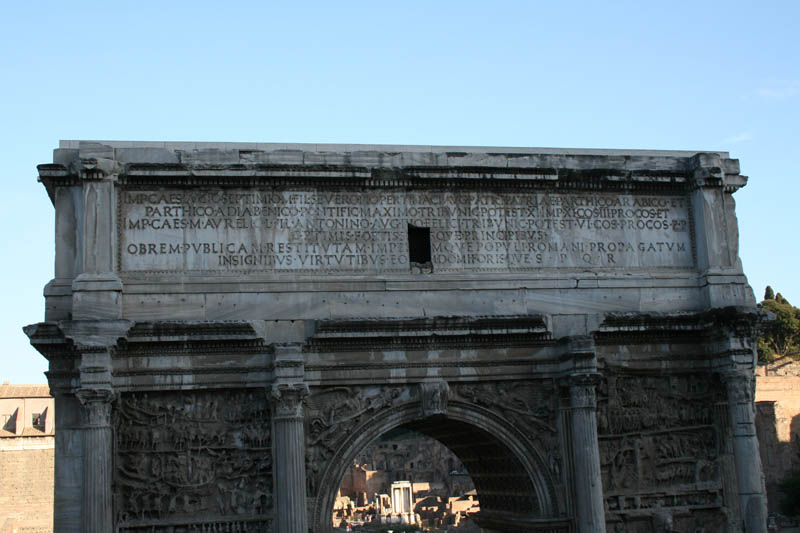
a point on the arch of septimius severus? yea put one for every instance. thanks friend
(230, 324)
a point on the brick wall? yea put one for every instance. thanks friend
(778, 424)
(26, 484)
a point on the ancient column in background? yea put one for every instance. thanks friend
(288, 440)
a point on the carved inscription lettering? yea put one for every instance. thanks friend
(228, 230)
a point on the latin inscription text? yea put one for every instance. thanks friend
(310, 230)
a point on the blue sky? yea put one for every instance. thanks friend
(677, 75)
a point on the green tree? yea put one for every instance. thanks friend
(779, 337)
(769, 294)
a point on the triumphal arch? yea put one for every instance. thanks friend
(229, 324)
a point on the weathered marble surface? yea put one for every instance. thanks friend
(574, 324)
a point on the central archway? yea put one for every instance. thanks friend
(509, 473)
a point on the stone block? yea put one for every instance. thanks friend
(147, 155)
(466, 159)
(324, 158)
(95, 150)
(209, 158)
(94, 305)
(65, 156)
(285, 157)
(164, 306)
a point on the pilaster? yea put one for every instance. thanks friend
(288, 430)
(733, 344)
(740, 388)
(96, 290)
(716, 233)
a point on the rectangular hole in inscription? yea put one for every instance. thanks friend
(419, 249)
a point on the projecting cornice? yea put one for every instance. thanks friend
(243, 164)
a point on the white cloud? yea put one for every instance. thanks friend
(783, 92)
(734, 139)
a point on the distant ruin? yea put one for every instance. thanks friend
(230, 325)
(442, 492)
(27, 446)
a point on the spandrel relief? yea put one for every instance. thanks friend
(532, 404)
(193, 457)
(333, 414)
(529, 405)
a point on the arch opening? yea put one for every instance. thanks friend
(501, 481)
(440, 493)
(508, 473)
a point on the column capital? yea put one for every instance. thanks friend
(736, 375)
(580, 379)
(289, 399)
(582, 389)
(739, 384)
(97, 403)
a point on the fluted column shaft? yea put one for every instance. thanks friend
(289, 458)
(97, 449)
(741, 413)
(586, 454)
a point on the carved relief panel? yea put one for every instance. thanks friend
(659, 445)
(193, 461)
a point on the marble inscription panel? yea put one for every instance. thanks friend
(233, 230)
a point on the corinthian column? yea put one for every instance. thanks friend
(585, 453)
(97, 446)
(288, 439)
(741, 413)
(94, 341)
(289, 456)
